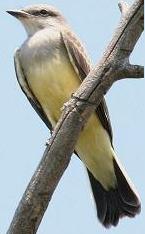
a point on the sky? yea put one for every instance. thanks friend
(23, 134)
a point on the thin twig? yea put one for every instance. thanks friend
(123, 6)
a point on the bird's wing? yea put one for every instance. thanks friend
(28, 92)
(81, 64)
(113, 203)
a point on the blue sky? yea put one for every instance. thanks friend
(23, 134)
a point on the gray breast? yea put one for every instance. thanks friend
(43, 46)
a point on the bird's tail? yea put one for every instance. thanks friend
(115, 203)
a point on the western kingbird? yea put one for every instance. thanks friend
(50, 65)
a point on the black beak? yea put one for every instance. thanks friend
(18, 13)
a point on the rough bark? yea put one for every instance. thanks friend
(113, 66)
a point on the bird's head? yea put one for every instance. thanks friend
(37, 17)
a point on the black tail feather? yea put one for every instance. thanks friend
(115, 203)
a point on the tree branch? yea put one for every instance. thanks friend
(123, 6)
(113, 66)
(133, 71)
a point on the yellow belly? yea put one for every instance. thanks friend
(53, 85)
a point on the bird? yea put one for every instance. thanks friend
(50, 66)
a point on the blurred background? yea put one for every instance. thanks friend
(23, 134)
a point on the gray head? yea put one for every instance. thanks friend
(37, 17)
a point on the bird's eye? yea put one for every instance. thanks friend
(44, 13)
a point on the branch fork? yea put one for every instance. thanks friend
(113, 66)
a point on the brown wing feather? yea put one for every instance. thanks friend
(118, 202)
(28, 92)
(81, 64)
